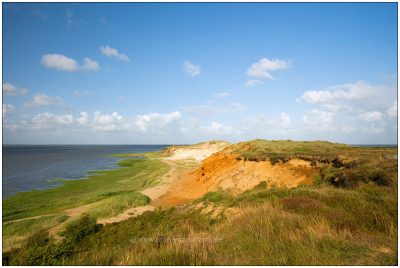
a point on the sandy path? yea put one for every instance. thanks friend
(132, 212)
(153, 192)
(166, 180)
(31, 218)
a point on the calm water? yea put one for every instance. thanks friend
(31, 167)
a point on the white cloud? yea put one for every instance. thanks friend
(216, 128)
(11, 90)
(263, 127)
(79, 93)
(336, 107)
(48, 121)
(83, 120)
(356, 91)
(108, 122)
(90, 65)
(156, 121)
(253, 82)
(285, 120)
(318, 120)
(263, 68)
(191, 69)
(371, 116)
(222, 95)
(392, 110)
(59, 62)
(64, 63)
(41, 99)
(357, 107)
(113, 53)
(7, 109)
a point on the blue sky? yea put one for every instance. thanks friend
(138, 73)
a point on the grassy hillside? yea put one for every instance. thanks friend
(347, 217)
(108, 192)
(339, 164)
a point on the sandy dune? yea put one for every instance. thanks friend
(197, 152)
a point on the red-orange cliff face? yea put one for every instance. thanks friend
(226, 171)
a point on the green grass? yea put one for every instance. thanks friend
(283, 150)
(115, 205)
(15, 232)
(348, 217)
(337, 164)
(304, 226)
(132, 175)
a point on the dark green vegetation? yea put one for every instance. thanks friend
(348, 217)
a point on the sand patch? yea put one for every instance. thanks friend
(196, 152)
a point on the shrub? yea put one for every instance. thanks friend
(213, 197)
(84, 226)
(39, 238)
(380, 177)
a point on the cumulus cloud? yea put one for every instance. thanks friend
(83, 120)
(90, 65)
(222, 95)
(59, 62)
(11, 90)
(64, 63)
(371, 116)
(356, 107)
(80, 93)
(285, 120)
(392, 110)
(263, 68)
(191, 69)
(261, 126)
(7, 109)
(253, 82)
(318, 120)
(113, 53)
(352, 91)
(108, 122)
(216, 128)
(48, 120)
(156, 121)
(41, 99)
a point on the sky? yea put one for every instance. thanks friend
(179, 73)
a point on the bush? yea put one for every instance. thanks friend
(213, 197)
(84, 226)
(380, 177)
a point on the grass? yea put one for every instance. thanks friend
(348, 217)
(132, 175)
(305, 226)
(117, 204)
(16, 232)
(338, 164)
(283, 150)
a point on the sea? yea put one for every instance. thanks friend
(30, 167)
